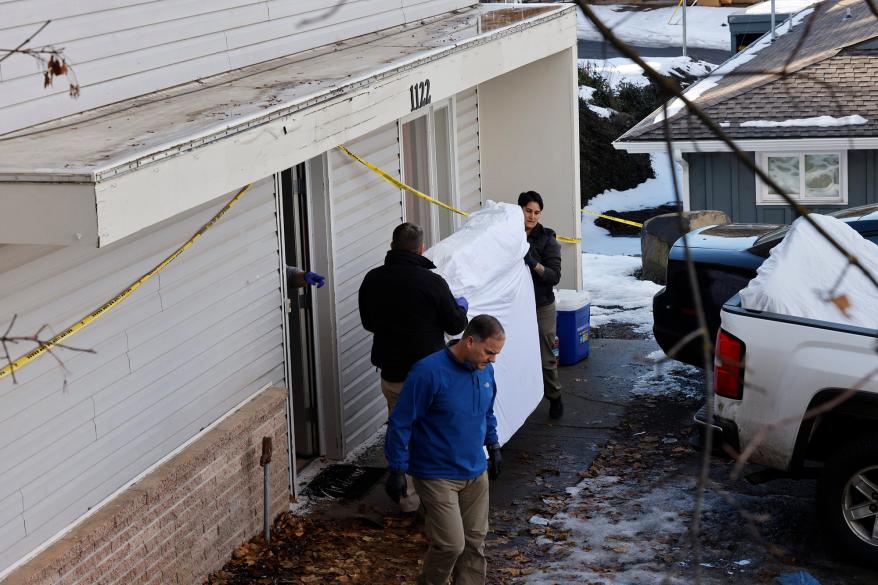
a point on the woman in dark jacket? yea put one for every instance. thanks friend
(544, 261)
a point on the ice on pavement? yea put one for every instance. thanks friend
(803, 270)
(613, 528)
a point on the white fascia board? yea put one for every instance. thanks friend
(752, 145)
(137, 199)
(62, 215)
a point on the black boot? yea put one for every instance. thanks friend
(556, 408)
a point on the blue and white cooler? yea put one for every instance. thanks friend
(574, 312)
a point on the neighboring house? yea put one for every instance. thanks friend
(803, 109)
(140, 461)
(749, 25)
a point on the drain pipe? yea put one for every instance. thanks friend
(265, 461)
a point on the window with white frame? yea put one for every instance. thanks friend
(809, 177)
(427, 149)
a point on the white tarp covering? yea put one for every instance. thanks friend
(799, 277)
(483, 262)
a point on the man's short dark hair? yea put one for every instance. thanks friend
(407, 236)
(529, 196)
(483, 327)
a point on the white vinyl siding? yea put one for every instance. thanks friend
(365, 210)
(469, 177)
(124, 48)
(179, 353)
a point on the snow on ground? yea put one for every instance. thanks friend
(617, 534)
(706, 27)
(650, 193)
(620, 69)
(616, 295)
(780, 6)
(670, 378)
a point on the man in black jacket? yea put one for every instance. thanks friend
(409, 309)
(544, 261)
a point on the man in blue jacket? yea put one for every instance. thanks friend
(437, 433)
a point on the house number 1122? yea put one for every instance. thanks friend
(419, 94)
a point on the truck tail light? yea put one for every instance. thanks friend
(728, 366)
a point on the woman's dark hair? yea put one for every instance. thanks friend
(529, 196)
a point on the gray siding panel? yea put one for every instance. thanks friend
(365, 209)
(468, 165)
(121, 49)
(171, 359)
(720, 181)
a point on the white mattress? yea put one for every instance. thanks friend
(483, 262)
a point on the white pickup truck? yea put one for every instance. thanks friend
(772, 374)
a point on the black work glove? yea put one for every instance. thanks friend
(495, 461)
(531, 259)
(395, 485)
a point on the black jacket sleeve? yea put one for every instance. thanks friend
(367, 305)
(550, 258)
(451, 315)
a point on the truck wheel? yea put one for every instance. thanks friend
(847, 500)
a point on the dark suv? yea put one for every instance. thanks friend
(726, 258)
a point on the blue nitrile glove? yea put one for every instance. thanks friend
(495, 461)
(314, 279)
(531, 259)
(462, 303)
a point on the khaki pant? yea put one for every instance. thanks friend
(456, 526)
(410, 502)
(547, 327)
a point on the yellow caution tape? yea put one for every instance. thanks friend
(400, 185)
(610, 217)
(85, 321)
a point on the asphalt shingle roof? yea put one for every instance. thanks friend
(816, 69)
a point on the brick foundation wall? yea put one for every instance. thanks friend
(182, 521)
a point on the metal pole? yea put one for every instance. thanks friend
(773, 33)
(265, 461)
(684, 27)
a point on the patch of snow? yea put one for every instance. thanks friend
(586, 92)
(711, 81)
(743, 562)
(706, 27)
(656, 356)
(780, 6)
(601, 111)
(616, 295)
(619, 69)
(821, 121)
(651, 193)
(597, 240)
(538, 520)
(725, 124)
